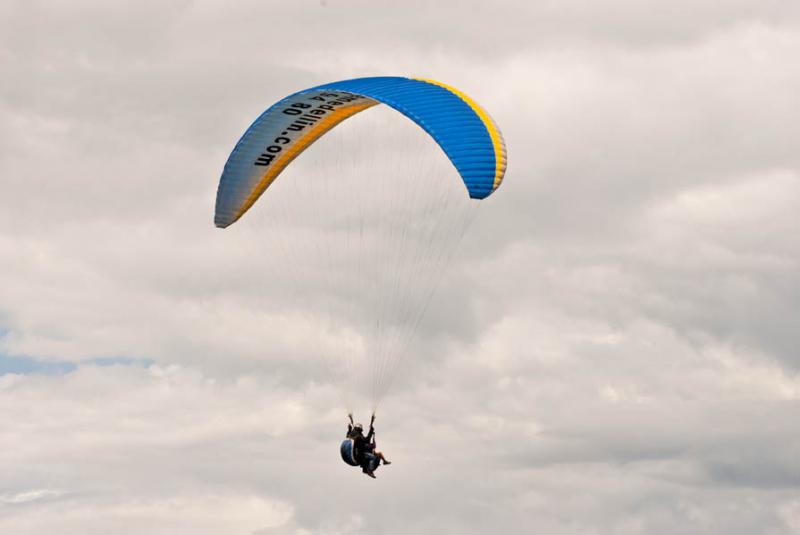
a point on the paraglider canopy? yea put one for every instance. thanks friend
(462, 129)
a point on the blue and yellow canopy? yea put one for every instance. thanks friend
(463, 130)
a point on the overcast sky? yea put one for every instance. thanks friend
(614, 351)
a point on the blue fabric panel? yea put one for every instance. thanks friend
(444, 115)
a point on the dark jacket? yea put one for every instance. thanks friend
(361, 443)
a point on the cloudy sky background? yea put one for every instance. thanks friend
(616, 350)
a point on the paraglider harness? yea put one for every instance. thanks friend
(360, 457)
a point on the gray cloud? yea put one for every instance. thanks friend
(613, 349)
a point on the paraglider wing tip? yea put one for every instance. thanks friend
(222, 222)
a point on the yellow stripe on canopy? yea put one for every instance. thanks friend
(497, 139)
(286, 157)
